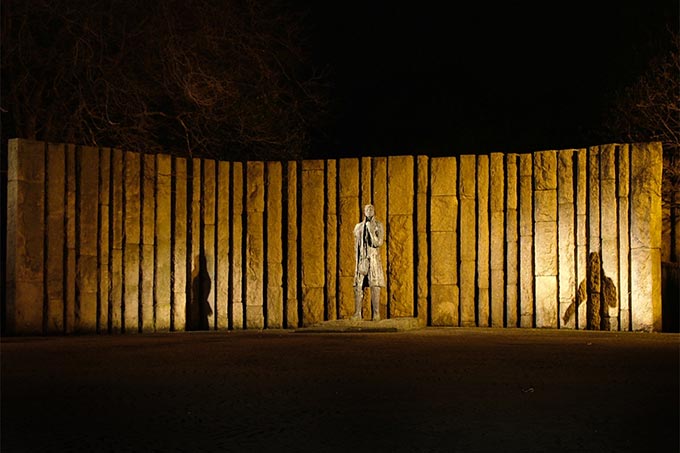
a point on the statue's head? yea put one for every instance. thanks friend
(369, 211)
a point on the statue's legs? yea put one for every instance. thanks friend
(358, 301)
(375, 302)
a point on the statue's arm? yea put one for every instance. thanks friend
(377, 233)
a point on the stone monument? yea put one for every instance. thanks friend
(368, 272)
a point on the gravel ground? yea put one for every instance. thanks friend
(427, 390)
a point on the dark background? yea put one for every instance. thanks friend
(446, 78)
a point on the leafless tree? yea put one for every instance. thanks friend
(217, 78)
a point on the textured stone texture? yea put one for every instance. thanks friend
(70, 300)
(313, 228)
(400, 236)
(104, 252)
(422, 256)
(195, 251)
(645, 236)
(483, 271)
(222, 260)
(348, 215)
(594, 199)
(291, 309)
(609, 225)
(179, 250)
(443, 242)
(331, 226)
(254, 259)
(86, 243)
(582, 229)
(162, 263)
(512, 241)
(545, 238)
(237, 261)
(274, 265)
(366, 181)
(132, 238)
(117, 184)
(56, 200)
(526, 242)
(208, 209)
(468, 239)
(622, 193)
(25, 236)
(497, 238)
(380, 203)
(566, 236)
(147, 268)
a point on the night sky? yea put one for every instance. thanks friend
(447, 78)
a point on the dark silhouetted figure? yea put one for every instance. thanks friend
(199, 309)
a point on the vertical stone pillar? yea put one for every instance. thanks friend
(497, 238)
(274, 265)
(103, 251)
(566, 236)
(444, 295)
(25, 236)
(331, 240)
(292, 302)
(71, 228)
(180, 257)
(623, 192)
(582, 229)
(545, 238)
(609, 234)
(468, 239)
(594, 238)
(117, 220)
(208, 246)
(222, 260)
(526, 241)
(132, 238)
(237, 262)
(147, 267)
(512, 241)
(162, 261)
(400, 232)
(254, 267)
(482, 283)
(349, 215)
(56, 202)
(313, 229)
(379, 187)
(645, 235)
(422, 252)
(195, 246)
(86, 240)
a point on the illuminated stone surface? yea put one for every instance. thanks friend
(400, 235)
(623, 193)
(581, 199)
(379, 187)
(147, 266)
(331, 231)
(274, 264)
(512, 241)
(545, 238)
(292, 247)
(348, 215)
(237, 261)
(313, 227)
(223, 236)
(609, 224)
(162, 263)
(70, 300)
(497, 238)
(104, 252)
(132, 238)
(116, 298)
(422, 258)
(56, 175)
(208, 236)
(254, 237)
(526, 242)
(482, 280)
(566, 236)
(468, 242)
(179, 252)
(443, 242)
(197, 279)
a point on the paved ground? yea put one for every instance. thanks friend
(428, 390)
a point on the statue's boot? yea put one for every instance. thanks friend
(358, 302)
(375, 303)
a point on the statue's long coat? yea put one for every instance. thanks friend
(367, 241)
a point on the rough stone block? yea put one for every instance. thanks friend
(565, 176)
(443, 178)
(400, 269)
(526, 164)
(545, 249)
(467, 293)
(254, 259)
(594, 198)
(444, 264)
(512, 181)
(274, 213)
(255, 189)
(346, 297)
(117, 185)
(312, 305)
(291, 303)
(116, 298)
(400, 185)
(444, 213)
(546, 301)
(348, 173)
(179, 251)
(526, 208)
(545, 170)
(468, 228)
(209, 191)
(483, 251)
(445, 300)
(254, 317)
(526, 280)
(71, 218)
(349, 216)
(132, 168)
(163, 270)
(56, 199)
(467, 183)
(223, 266)
(237, 238)
(567, 261)
(131, 276)
(274, 307)
(366, 181)
(511, 306)
(313, 227)
(147, 291)
(545, 206)
(148, 198)
(645, 289)
(380, 203)
(645, 196)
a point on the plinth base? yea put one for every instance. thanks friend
(350, 325)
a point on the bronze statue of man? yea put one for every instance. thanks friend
(368, 272)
